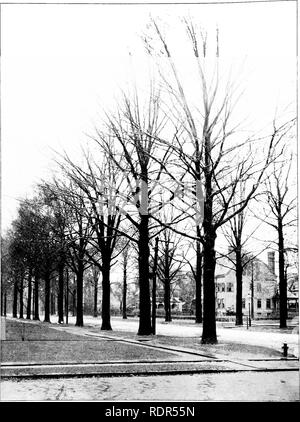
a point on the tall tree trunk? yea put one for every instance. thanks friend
(252, 291)
(36, 315)
(21, 316)
(5, 303)
(29, 290)
(79, 293)
(60, 299)
(95, 276)
(209, 334)
(74, 302)
(15, 299)
(67, 297)
(154, 272)
(124, 301)
(105, 312)
(198, 280)
(145, 304)
(282, 279)
(47, 297)
(2, 301)
(167, 295)
(167, 299)
(199, 217)
(32, 305)
(52, 304)
(239, 286)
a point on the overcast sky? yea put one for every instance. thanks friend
(62, 63)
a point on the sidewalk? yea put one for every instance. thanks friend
(52, 350)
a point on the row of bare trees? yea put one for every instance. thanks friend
(167, 162)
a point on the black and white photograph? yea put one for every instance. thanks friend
(149, 232)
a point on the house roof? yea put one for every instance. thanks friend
(224, 266)
(292, 295)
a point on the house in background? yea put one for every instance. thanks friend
(259, 288)
(292, 295)
(175, 301)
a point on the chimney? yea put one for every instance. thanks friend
(271, 262)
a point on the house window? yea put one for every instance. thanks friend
(229, 287)
(259, 303)
(258, 287)
(221, 303)
(268, 303)
(222, 287)
(244, 303)
(292, 305)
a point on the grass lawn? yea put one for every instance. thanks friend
(228, 349)
(43, 344)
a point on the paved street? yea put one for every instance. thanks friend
(275, 386)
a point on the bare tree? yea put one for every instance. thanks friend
(96, 273)
(237, 255)
(280, 214)
(58, 227)
(99, 183)
(169, 264)
(211, 157)
(131, 146)
(125, 263)
(34, 247)
(66, 196)
(196, 273)
(6, 273)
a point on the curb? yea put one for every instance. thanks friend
(139, 374)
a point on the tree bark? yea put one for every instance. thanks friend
(67, 298)
(15, 299)
(252, 291)
(52, 304)
(105, 311)
(145, 305)
(47, 297)
(167, 295)
(282, 279)
(5, 303)
(32, 305)
(198, 280)
(21, 316)
(209, 334)
(29, 291)
(79, 294)
(2, 301)
(239, 286)
(124, 301)
(74, 302)
(60, 301)
(36, 315)
(167, 300)
(95, 274)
